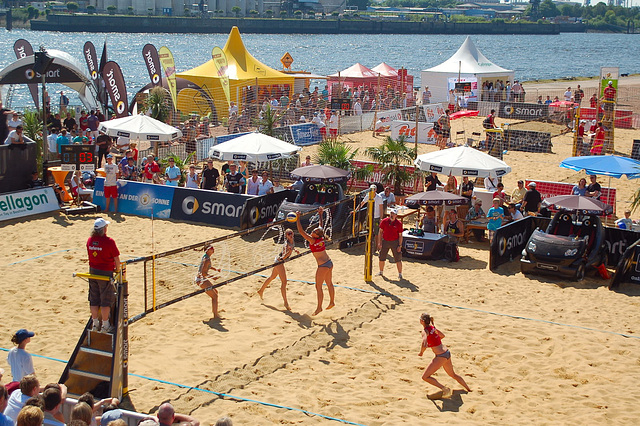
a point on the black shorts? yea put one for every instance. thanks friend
(390, 245)
(101, 293)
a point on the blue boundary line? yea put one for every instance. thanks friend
(224, 395)
(38, 257)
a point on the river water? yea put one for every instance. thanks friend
(530, 56)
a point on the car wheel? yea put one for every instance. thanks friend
(579, 276)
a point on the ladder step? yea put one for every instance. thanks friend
(90, 375)
(96, 351)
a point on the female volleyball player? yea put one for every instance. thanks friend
(203, 279)
(278, 268)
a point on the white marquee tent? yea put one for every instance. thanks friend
(470, 64)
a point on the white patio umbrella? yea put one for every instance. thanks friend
(253, 147)
(462, 161)
(140, 127)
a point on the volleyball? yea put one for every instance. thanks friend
(292, 217)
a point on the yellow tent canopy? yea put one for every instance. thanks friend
(246, 74)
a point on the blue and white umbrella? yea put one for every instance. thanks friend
(605, 165)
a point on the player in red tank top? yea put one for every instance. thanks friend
(432, 338)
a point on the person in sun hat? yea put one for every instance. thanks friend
(104, 259)
(19, 359)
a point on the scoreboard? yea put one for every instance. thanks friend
(78, 157)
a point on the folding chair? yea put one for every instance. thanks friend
(460, 136)
(476, 138)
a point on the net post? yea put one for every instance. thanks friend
(368, 258)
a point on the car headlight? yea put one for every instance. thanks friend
(571, 252)
(532, 246)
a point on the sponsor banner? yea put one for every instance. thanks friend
(27, 75)
(390, 115)
(169, 67)
(426, 134)
(522, 111)
(415, 185)
(102, 92)
(618, 241)
(22, 48)
(628, 268)
(432, 112)
(138, 198)
(152, 61)
(528, 141)
(263, 209)
(114, 83)
(91, 58)
(551, 189)
(220, 62)
(27, 203)
(306, 134)
(226, 138)
(624, 117)
(210, 207)
(511, 239)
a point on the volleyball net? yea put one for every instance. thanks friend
(169, 277)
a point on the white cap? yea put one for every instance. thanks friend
(532, 184)
(100, 223)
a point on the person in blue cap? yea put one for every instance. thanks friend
(19, 359)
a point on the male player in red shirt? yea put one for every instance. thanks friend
(104, 259)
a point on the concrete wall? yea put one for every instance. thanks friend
(126, 24)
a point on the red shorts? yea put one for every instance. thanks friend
(323, 131)
(333, 132)
(110, 192)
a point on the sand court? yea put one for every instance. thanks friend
(357, 362)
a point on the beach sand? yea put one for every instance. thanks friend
(533, 349)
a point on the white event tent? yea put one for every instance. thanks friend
(468, 63)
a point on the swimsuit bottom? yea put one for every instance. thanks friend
(446, 354)
(327, 264)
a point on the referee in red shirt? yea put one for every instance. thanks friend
(390, 238)
(104, 259)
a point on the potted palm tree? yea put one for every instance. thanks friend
(340, 155)
(394, 156)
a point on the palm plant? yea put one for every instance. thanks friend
(164, 163)
(268, 122)
(394, 156)
(32, 125)
(340, 155)
(157, 103)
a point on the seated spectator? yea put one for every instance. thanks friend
(429, 222)
(453, 227)
(514, 212)
(625, 222)
(35, 401)
(35, 181)
(82, 411)
(54, 395)
(265, 186)
(87, 398)
(16, 138)
(111, 413)
(4, 400)
(30, 416)
(29, 387)
(167, 417)
(473, 214)
(580, 188)
(14, 122)
(129, 170)
(19, 359)
(518, 194)
(496, 216)
(491, 184)
(78, 190)
(499, 192)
